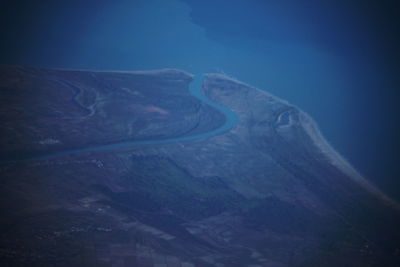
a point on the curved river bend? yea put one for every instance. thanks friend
(194, 88)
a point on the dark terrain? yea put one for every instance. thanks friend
(268, 192)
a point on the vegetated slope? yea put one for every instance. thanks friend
(268, 192)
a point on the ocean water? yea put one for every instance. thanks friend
(336, 60)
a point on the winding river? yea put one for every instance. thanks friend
(195, 86)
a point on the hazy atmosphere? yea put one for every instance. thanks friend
(188, 133)
(337, 60)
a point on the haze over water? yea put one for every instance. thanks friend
(333, 60)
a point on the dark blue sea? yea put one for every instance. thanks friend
(336, 60)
